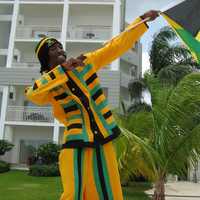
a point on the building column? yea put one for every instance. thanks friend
(56, 132)
(12, 34)
(116, 29)
(65, 23)
(3, 110)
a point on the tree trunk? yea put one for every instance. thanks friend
(159, 192)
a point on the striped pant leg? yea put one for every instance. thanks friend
(102, 180)
(71, 168)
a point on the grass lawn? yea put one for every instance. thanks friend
(17, 185)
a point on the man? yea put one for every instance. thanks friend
(87, 160)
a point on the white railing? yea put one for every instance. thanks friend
(29, 114)
(92, 0)
(91, 32)
(44, 0)
(37, 32)
(26, 64)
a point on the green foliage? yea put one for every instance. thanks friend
(44, 170)
(135, 88)
(5, 146)
(135, 156)
(170, 137)
(139, 107)
(48, 153)
(4, 166)
(172, 74)
(165, 51)
(169, 140)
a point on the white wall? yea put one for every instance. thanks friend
(4, 34)
(125, 67)
(3, 61)
(27, 51)
(6, 9)
(27, 133)
(90, 15)
(124, 93)
(46, 15)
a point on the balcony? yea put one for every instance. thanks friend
(89, 32)
(43, 0)
(92, 1)
(29, 114)
(26, 64)
(37, 32)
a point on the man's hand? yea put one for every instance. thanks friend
(152, 15)
(74, 62)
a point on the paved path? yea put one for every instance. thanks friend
(183, 189)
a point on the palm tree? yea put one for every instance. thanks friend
(171, 138)
(169, 60)
(166, 50)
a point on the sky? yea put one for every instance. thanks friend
(135, 8)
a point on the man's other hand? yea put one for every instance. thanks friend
(74, 62)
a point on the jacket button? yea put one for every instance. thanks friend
(95, 132)
(73, 89)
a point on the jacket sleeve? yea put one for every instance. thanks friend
(116, 46)
(39, 92)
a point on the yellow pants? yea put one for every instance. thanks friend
(90, 173)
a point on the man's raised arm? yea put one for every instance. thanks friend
(120, 44)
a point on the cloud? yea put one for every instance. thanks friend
(136, 8)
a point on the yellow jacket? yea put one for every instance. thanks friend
(77, 97)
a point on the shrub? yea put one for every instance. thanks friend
(4, 166)
(44, 170)
(5, 146)
(48, 153)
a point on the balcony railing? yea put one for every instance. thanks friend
(92, 0)
(37, 32)
(29, 114)
(43, 0)
(26, 64)
(91, 32)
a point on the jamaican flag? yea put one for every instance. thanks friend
(185, 20)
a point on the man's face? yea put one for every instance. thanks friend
(57, 55)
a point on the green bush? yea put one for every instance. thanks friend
(44, 170)
(4, 166)
(5, 146)
(48, 153)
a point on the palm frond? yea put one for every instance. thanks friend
(136, 155)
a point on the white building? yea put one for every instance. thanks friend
(81, 26)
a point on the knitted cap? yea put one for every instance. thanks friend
(42, 50)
